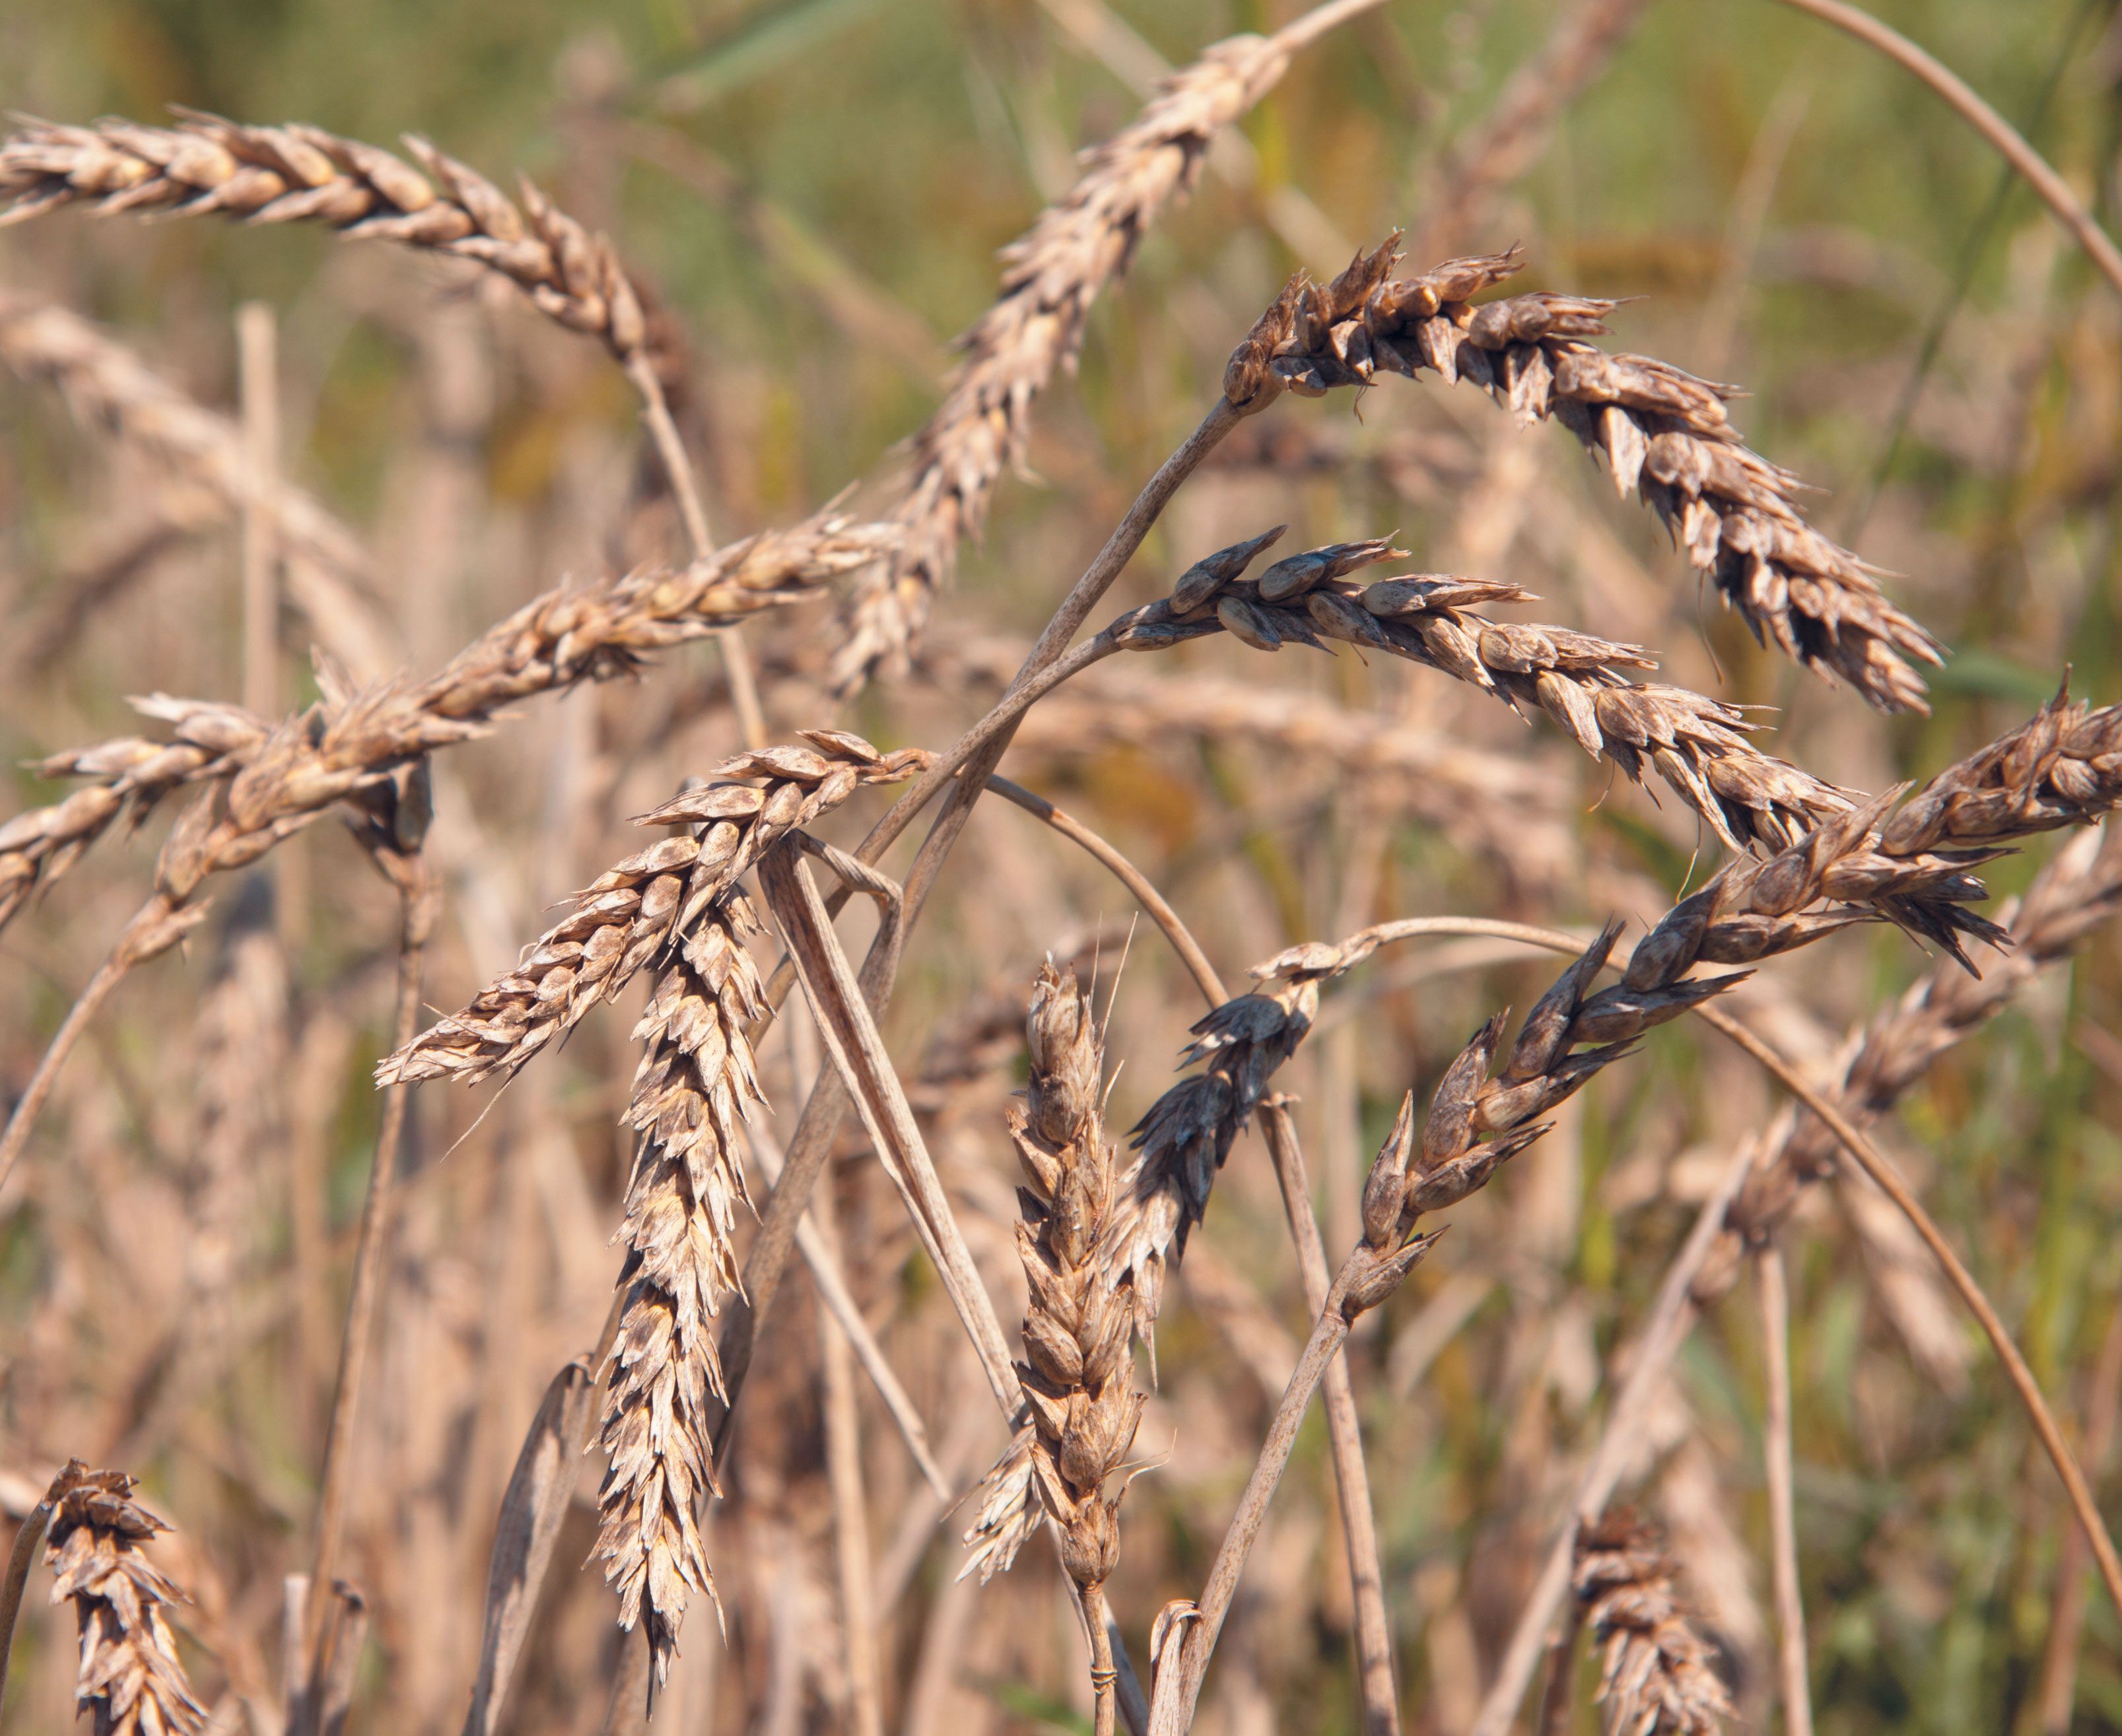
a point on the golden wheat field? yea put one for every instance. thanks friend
(1360, 974)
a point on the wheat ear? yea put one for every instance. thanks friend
(1657, 1676)
(131, 1679)
(1664, 433)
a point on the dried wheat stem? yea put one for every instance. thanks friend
(2059, 1673)
(398, 853)
(154, 928)
(1511, 138)
(1664, 434)
(1783, 1507)
(130, 1677)
(1999, 133)
(257, 346)
(843, 1472)
(1154, 903)
(1393, 1200)
(1374, 1643)
(28, 1535)
(1656, 1677)
(825, 1273)
(1875, 1163)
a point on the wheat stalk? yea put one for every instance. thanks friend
(130, 1678)
(1664, 433)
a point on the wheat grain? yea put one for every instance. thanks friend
(1664, 433)
(130, 1678)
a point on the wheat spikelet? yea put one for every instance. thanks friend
(1658, 1678)
(1664, 433)
(130, 1678)
(1697, 746)
(644, 906)
(206, 165)
(1051, 277)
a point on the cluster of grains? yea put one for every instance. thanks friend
(272, 781)
(1657, 1676)
(2077, 892)
(1663, 432)
(1077, 1319)
(1051, 276)
(640, 908)
(300, 173)
(1697, 746)
(130, 1678)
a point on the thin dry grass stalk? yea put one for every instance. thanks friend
(1664, 433)
(130, 1678)
(206, 165)
(1083, 1408)
(1658, 1673)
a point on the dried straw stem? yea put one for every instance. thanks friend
(1394, 1198)
(1999, 133)
(130, 1678)
(1664, 432)
(1515, 131)
(397, 853)
(1791, 1654)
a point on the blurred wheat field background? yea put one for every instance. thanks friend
(258, 471)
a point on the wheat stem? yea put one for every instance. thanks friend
(1374, 1646)
(370, 1255)
(2001, 135)
(1783, 1508)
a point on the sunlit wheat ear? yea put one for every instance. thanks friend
(696, 1085)
(297, 174)
(1656, 1673)
(131, 1680)
(1665, 433)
